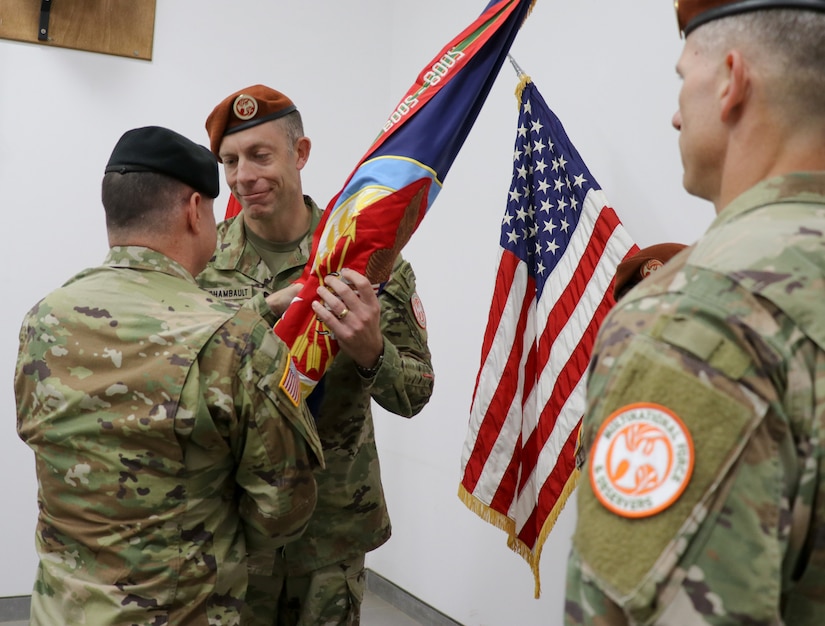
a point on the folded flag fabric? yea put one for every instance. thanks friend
(559, 248)
(396, 182)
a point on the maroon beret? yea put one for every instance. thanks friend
(632, 270)
(244, 109)
(693, 13)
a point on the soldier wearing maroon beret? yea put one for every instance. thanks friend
(702, 499)
(258, 135)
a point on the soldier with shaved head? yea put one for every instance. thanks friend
(702, 500)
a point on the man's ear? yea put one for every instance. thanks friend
(736, 90)
(192, 210)
(302, 149)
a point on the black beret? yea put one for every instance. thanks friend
(157, 149)
(693, 13)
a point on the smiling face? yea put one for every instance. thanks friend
(263, 167)
(702, 135)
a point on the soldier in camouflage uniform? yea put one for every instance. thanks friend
(702, 500)
(166, 440)
(319, 579)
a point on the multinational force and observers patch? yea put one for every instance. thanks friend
(641, 460)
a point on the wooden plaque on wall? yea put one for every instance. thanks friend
(120, 27)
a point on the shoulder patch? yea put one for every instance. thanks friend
(418, 310)
(290, 382)
(642, 460)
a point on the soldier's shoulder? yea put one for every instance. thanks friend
(225, 226)
(401, 284)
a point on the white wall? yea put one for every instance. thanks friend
(605, 68)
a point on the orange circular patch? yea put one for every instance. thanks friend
(641, 461)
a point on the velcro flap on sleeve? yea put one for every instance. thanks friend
(278, 379)
(629, 556)
(704, 343)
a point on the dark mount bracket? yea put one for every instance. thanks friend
(43, 28)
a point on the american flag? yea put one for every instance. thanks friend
(560, 245)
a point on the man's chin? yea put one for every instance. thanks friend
(696, 190)
(254, 210)
(689, 183)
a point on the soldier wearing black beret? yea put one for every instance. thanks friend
(168, 436)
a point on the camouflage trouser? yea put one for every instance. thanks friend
(330, 596)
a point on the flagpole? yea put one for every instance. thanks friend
(516, 66)
(523, 78)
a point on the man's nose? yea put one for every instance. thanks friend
(677, 120)
(245, 170)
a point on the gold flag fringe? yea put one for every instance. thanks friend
(499, 520)
(489, 515)
(522, 83)
(529, 11)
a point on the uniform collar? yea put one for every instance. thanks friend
(142, 258)
(232, 244)
(794, 187)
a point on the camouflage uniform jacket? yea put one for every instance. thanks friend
(163, 446)
(351, 517)
(730, 337)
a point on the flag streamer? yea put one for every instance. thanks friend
(559, 247)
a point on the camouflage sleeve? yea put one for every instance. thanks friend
(584, 603)
(712, 554)
(258, 304)
(280, 448)
(404, 382)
